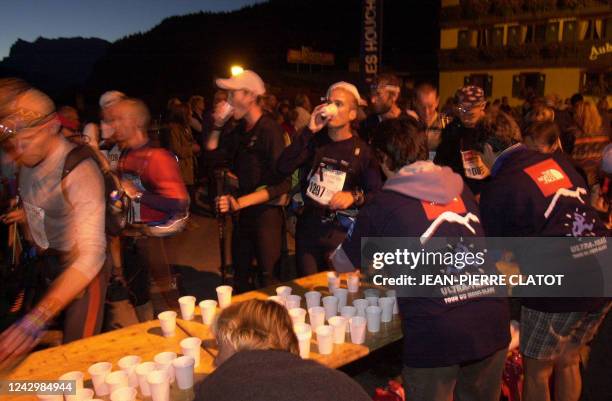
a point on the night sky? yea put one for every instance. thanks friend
(105, 19)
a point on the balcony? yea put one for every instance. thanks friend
(529, 55)
(488, 12)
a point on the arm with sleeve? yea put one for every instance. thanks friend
(166, 190)
(296, 154)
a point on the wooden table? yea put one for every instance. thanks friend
(146, 340)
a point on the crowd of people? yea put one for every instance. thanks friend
(94, 202)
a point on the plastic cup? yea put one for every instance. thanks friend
(98, 372)
(283, 291)
(128, 365)
(142, 370)
(373, 316)
(325, 339)
(159, 383)
(208, 308)
(330, 304)
(372, 301)
(352, 282)
(77, 376)
(277, 299)
(342, 295)
(224, 295)
(303, 332)
(333, 281)
(187, 305)
(358, 329)
(393, 294)
(84, 394)
(386, 304)
(371, 292)
(348, 312)
(167, 321)
(124, 394)
(361, 305)
(163, 361)
(298, 315)
(117, 380)
(338, 323)
(191, 347)
(293, 301)
(313, 298)
(316, 316)
(183, 370)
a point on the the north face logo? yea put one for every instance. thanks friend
(550, 175)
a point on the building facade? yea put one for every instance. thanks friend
(523, 48)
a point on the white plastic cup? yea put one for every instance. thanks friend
(224, 295)
(358, 329)
(371, 292)
(303, 332)
(333, 281)
(313, 298)
(386, 304)
(373, 316)
(77, 376)
(325, 340)
(116, 380)
(191, 347)
(98, 372)
(277, 299)
(348, 312)
(187, 305)
(159, 383)
(283, 291)
(316, 316)
(208, 309)
(372, 301)
(338, 323)
(163, 361)
(293, 301)
(352, 282)
(142, 370)
(124, 394)
(128, 365)
(330, 304)
(393, 294)
(84, 394)
(183, 369)
(342, 295)
(167, 321)
(297, 315)
(361, 305)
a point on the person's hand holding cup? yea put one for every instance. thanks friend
(222, 114)
(321, 115)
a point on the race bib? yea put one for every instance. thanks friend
(36, 224)
(324, 183)
(473, 165)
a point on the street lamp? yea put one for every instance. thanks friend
(237, 70)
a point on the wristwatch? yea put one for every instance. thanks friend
(358, 196)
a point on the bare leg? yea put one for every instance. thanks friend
(537, 377)
(568, 382)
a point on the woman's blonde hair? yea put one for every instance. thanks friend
(587, 117)
(257, 325)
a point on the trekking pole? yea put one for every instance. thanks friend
(220, 181)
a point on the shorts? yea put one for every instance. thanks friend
(545, 335)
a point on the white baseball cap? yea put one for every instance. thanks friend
(247, 80)
(111, 97)
(352, 89)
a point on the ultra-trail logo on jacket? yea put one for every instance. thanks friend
(552, 180)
